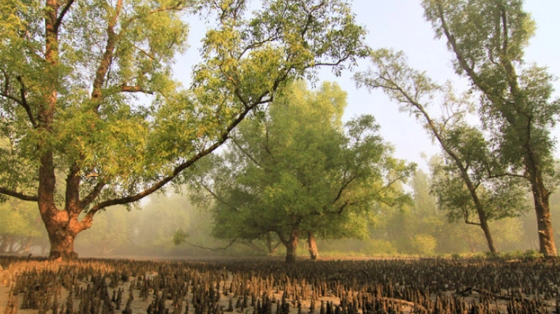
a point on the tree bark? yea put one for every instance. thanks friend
(312, 246)
(487, 234)
(62, 230)
(62, 243)
(511, 112)
(291, 246)
(547, 245)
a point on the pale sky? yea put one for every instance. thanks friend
(400, 25)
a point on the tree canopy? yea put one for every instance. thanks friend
(470, 180)
(298, 171)
(487, 39)
(91, 112)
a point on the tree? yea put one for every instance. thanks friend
(90, 112)
(298, 172)
(19, 226)
(487, 38)
(471, 180)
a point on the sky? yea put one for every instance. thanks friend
(400, 25)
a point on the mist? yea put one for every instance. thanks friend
(417, 230)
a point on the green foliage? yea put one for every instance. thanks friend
(513, 96)
(424, 244)
(91, 116)
(471, 179)
(180, 236)
(516, 107)
(20, 226)
(19, 218)
(298, 168)
(500, 197)
(379, 247)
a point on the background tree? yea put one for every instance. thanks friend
(112, 232)
(20, 227)
(89, 107)
(471, 180)
(298, 173)
(487, 38)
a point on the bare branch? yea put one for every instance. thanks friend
(62, 14)
(212, 249)
(24, 103)
(18, 195)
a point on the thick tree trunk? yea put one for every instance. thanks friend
(547, 245)
(291, 246)
(312, 246)
(62, 230)
(62, 246)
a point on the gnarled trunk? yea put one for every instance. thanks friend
(62, 245)
(62, 229)
(312, 246)
(291, 246)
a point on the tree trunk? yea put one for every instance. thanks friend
(62, 231)
(488, 235)
(270, 244)
(547, 245)
(312, 246)
(62, 245)
(6, 239)
(291, 246)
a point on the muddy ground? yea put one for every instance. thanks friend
(269, 286)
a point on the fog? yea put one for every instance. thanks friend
(418, 230)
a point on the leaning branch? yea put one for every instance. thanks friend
(62, 14)
(212, 249)
(24, 103)
(209, 190)
(158, 185)
(21, 196)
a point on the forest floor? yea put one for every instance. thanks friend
(340, 281)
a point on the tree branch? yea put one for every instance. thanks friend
(212, 249)
(24, 103)
(219, 199)
(253, 246)
(342, 188)
(107, 55)
(92, 195)
(159, 184)
(134, 89)
(21, 196)
(62, 14)
(246, 153)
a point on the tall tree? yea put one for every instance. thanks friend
(297, 172)
(90, 111)
(469, 160)
(487, 38)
